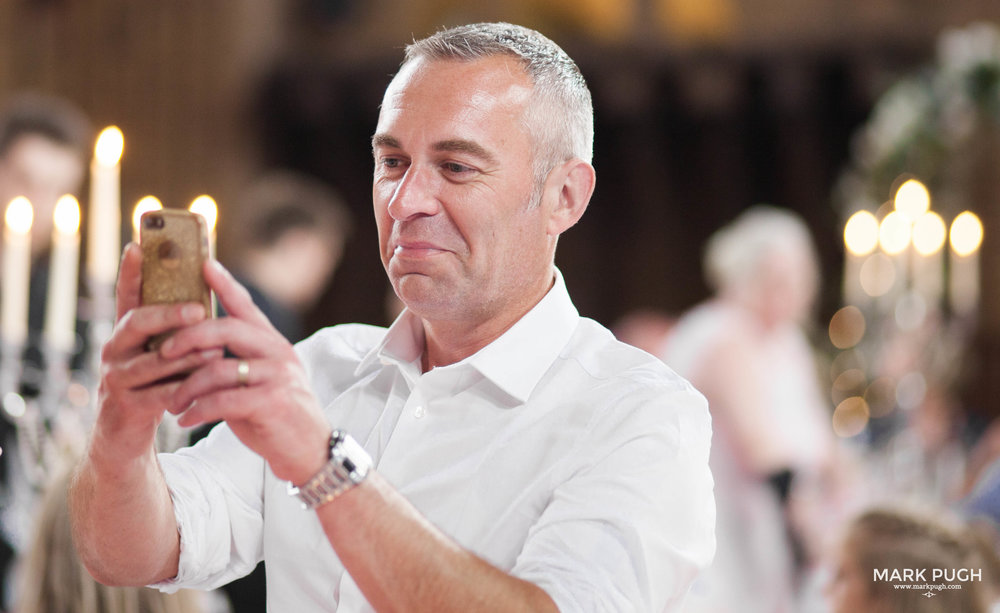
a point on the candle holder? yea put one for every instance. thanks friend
(99, 311)
(55, 381)
(47, 441)
(11, 367)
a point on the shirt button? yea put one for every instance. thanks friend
(419, 412)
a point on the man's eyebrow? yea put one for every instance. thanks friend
(384, 140)
(456, 145)
(465, 146)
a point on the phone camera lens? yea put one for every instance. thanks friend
(153, 222)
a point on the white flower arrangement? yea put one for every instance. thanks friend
(921, 123)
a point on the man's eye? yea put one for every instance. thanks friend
(455, 167)
(390, 162)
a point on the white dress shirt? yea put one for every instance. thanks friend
(556, 453)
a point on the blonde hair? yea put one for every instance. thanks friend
(55, 581)
(897, 539)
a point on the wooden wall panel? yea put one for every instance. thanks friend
(175, 76)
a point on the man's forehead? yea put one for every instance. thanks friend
(451, 103)
(489, 76)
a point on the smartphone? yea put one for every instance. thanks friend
(174, 247)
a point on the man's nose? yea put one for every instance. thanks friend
(415, 195)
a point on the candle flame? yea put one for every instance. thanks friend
(110, 145)
(966, 233)
(206, 207)
(929, 233)
(861, 233)
(894, 233)
(145, 205)
(67, 215)
(912, 199)
(19, 215)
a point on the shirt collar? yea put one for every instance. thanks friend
(402, 345)
(515, 362)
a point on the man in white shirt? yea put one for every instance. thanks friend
(501, 453)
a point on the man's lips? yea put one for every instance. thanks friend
(417, 249)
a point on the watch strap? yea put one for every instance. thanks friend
(348, 465)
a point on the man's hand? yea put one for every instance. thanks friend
(136, 385)
(271, 409)
(122, 516)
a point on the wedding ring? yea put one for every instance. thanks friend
(243, 373)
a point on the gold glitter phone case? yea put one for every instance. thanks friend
(174, 246)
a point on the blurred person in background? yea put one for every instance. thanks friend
(644, 328)
(881, 544)
(745, 349)
(286, 247)
(44, 147)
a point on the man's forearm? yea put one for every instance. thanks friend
(402, 562)
(123, 522)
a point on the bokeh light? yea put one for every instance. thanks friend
(912, 199)
(847, 327)
(878, 275)
(861, 233)
(850, 418)
(929, 233)
(966, 233)
(894, 233)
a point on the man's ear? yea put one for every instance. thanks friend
(571, 185)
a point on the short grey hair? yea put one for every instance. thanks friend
(561, 112)
(734, 254)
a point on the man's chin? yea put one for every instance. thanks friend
(426, 295)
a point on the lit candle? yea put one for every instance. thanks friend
(860, 239)
(16, 272)
(966, 236)
(912, 199)
(60, 303)
(104, 213)
(145, 204)
(894, 237)
(206, 207)
(929, 236)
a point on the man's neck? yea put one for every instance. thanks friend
(448, 342)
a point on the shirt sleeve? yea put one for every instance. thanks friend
(635, 522)
(216, 487)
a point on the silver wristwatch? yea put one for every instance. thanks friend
(348, 466)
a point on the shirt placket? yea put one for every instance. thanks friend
(396, 463)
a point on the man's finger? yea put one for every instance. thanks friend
(219, 375)
(129, 287)
(235, 299)
(239, 337)
(140, 323)
(148, 367)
